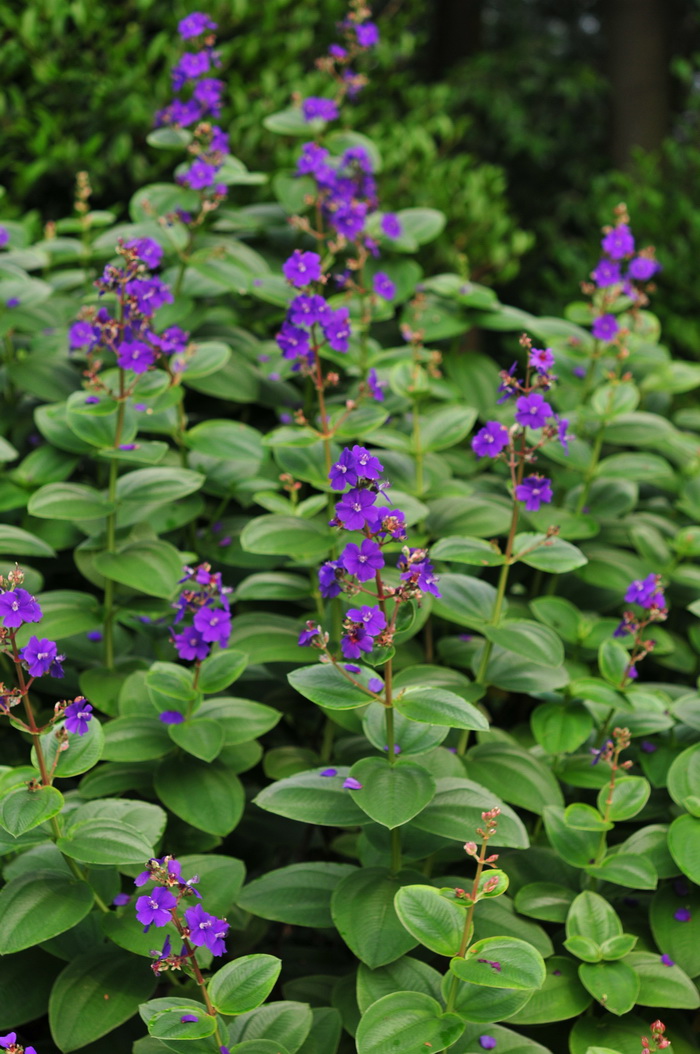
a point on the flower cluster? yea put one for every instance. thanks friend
(17, 608)
(310, 320)
(161, 906)
(130, 337)
(192, 74)
(533, 412)
(359, 34)
(10, 1045)
(361, 562)
(648, 594)
(609, 279)
(210, 610)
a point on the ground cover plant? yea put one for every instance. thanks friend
(348, 690)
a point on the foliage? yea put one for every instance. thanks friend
(454, 810)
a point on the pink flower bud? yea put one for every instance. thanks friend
(470, 848)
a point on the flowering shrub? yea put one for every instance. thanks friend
(455, 806)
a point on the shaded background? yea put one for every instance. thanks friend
(524, 120)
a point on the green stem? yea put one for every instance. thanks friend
(112, 530)
(591, 470)
(417, 449)
(395, 850)
(327, 741)
(466, 932)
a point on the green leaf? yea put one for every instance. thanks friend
(456, 810)
(626, 869)
(79, 1013)
(149, 566)
(240, 719)
(521, 965)
(26, 979)
(591, 916)
(534, 641)
(169, 138)
(446, 425)
(244, 984)
(465, 600)
(170, 686)
(23, 809)
(198, 736)
(169, 1023)
(221, 669)
(547, 554)
(683, 779)
(135, 738)
(291, 122)
(561, 729)
(582, 817)
(39, 905)
(680, 940)
(286, 536)
(436, 706)
(614, 661)
(544, 900)
(467, 551)
(684, 844)
(313, 798)
(435, 921)
(156, 486)
(405, 1022)
(105, 841)
(403, 975)
(16, 542)
(630, 795)
(299, 895)
(614, 984)
(659, 985)
(230, 441)
(412, 737)
(577, 847)
(392, 794)
(66, 612)
(618, 947)
(521, 778)
(362, 906)
(69, 501)
(288, 1021)
(421, 224)
(83, 751)
(324, 684)
(205, 795)
(562, 995)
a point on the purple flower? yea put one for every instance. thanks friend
(17, 606)
(542, 359)
(532, 411)
(135, 355)
(315, 108)
(149, 294)
(9, 1040)
(683, 915)
(352, 784)
(641, 591)
(292, 341)
(92, 400)
(190, 644)
(356, 508)
(206, 930)
(12, 301)
(355, 641)
(367, 35)
(667, 960)
(391, 225)
(383, 286)
(171, 717)
(186, 1018)
(648, 747)
(306, 310)
(214, 624)
(307, 636)
(329, 772)
(328, 575)
(4, 237)
(642, 268)
(394, 523)
(208, 94)
(372, 619)
(376, 386)
(487, 1042)
(336, 328)
(80, 335)
(200, 175)
(632, 672)
(605, 327)
(344, 472)
(121, 899)
(40, 656)
(509, 383)
(618, 242)
(302, 268)
(154, 908)
(362, 560)
(312, 160)
(563, 435)
(77, 716)
(606, 273)
(147, 250)
(490, 440)
(375, 684)
(194, 25)
(367, 465)
(534, 491)
(172, 339)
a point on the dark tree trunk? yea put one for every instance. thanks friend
(638, 67)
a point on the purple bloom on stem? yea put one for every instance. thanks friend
(154, 908)
(352, 784)
(487, 1042)
(367, 465)
(77, 716)
(373, 620)
(292, 341)
(121, 899)
(362, 560)
(9, 1040)
(490, 440)
(17, 606)
(337, 330)
(302, 268)
(147, 250)
(315, 108)
(328, 583)
(305, 310)
(641, 591)
(542, 359)
(355, 641)
(206, 930)
(307, 635)
(200, 175)
(383, 286)
(344, 472)
(534, 491)
(149, 293)
(606, 273)
(394, 523)
(532, 411)
(312, 160)
(39, 655)
(80, 335)
(605, 327)
(135, 355)
(563, 435)
(190, 644)
(171, 717)
(667, 960)
(391, 225)
(214, 625)
(376, 386)
(618, 242)
(4, 237)
(367, 35)
(194, 25)
(642, 268)
(356, 508)
(683, 915)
